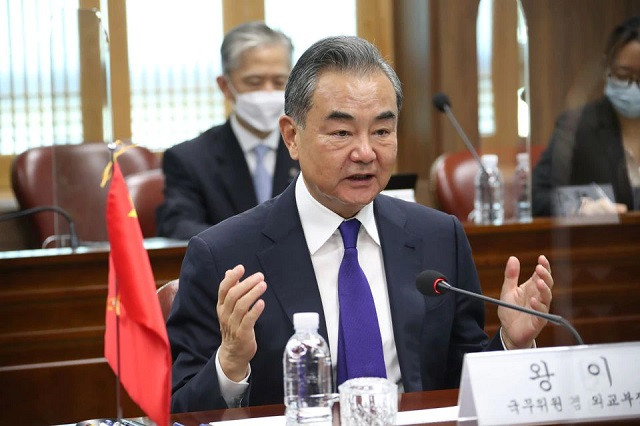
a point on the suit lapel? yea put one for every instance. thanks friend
(401, 252)
(287, 264)
(234, 171)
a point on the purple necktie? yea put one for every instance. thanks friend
(359, 342)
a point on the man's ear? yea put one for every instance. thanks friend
(290, 135)
(223, 84)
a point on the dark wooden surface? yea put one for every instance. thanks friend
(60, 392)
(52, 310)
(52, 307)
(595, 268)
(52, 302)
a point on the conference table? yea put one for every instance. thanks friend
(428, 400)
(406, 402)
(52, 306)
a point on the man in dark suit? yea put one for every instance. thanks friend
(222, 172)
(243, 279)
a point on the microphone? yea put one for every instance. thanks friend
(73, 236)
(442, 103)
(433, 283)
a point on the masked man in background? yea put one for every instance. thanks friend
(230, 168)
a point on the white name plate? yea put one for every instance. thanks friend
(559, 384)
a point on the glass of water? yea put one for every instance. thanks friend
(368, 401)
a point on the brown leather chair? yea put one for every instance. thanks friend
(166, 294)
(452, 180)
(146, 190)
(69, 176)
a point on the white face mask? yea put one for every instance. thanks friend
(261, 109)
(624, 97)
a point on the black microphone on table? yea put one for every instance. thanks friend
(73, 235)
(433, 283)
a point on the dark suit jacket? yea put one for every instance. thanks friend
(207, 180)
(586, 146)
(431, 334)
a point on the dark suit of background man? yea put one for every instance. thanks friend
(209, 178)
(242, 280)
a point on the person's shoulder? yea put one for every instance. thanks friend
(600, 112)
(240, 228)
(590, 114)
(205, 139)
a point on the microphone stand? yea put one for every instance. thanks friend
(556, 319)
(462, 135)
(112, 148)
(73, 235)
(484, 175)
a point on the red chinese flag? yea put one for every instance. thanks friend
(145, 357)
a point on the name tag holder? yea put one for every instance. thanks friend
(559, 384)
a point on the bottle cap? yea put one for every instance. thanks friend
(522, 157)
(306, 321)
(489, 160)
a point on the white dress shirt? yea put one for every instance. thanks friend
(248, 141)
(320, 226)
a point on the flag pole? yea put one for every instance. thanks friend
(112, 149)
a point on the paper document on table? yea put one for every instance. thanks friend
(431, 415)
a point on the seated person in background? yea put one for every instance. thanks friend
(242, 280)
(600, 142)
(233, 167)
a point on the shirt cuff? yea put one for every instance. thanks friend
(533, 346)
(232, 392)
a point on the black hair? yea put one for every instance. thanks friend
(623, 34)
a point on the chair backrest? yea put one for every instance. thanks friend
(69, 176)
(452, 180)
(146, 190)
(166, 294)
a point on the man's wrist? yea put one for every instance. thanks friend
(508, 344)
(233, 370)
(232, 392)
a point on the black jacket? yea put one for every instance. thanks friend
(207, 180)
(586, 147)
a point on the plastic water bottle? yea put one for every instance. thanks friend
(521, 188)
(307, 373)
(489, 201)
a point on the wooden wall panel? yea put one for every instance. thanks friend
(61, 392)
(415, 145)
(566, 39)
(236, 12)
(375, 22)
(453, 24)
(566, 44)
(92, 86)
(119, 66)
